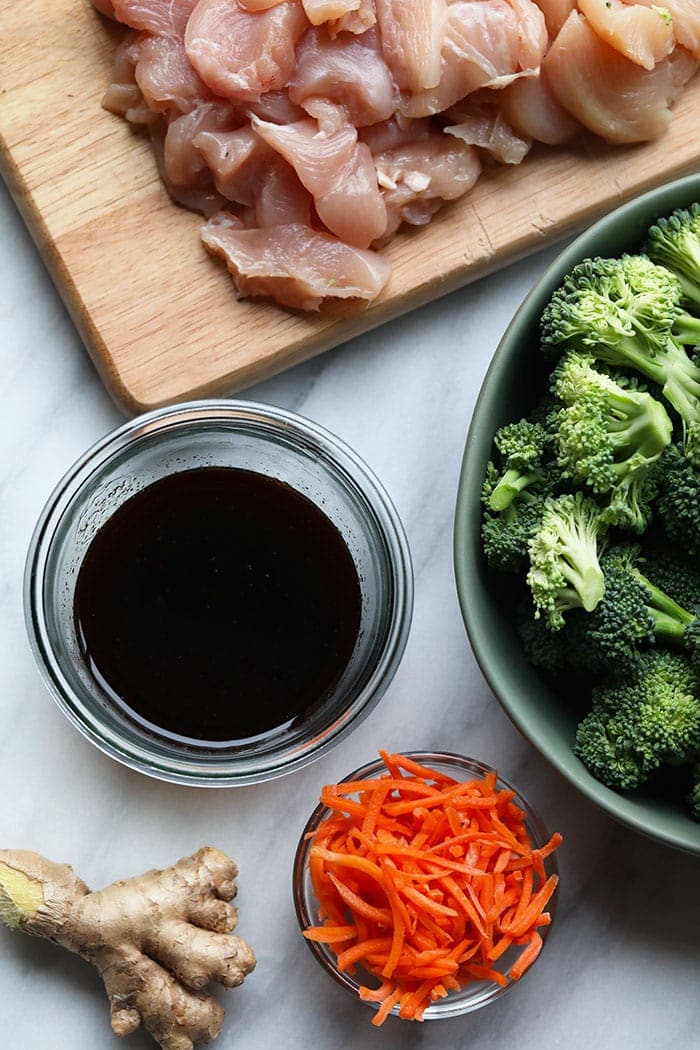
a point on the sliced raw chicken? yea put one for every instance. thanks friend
(320, 11)
(201, 196)
(479, 122)
(295, 265)
(533, 36)
(162, 17)
(236, 159)
(555, 14)
(398, 131)
(412, 34)
(123, 96)
(357, 21)
(184, 162)
(481, 47)
(339, 173)
(418, 177)
(280, 199)
(642, 34)
(349, 73)
(258, 5)
(530, 106)
(240, 54)
(685, 15)
(166, 78)
(105, 7)
(276, 106)
(297, 114)
(606, 92)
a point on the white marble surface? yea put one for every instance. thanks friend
(622, 966)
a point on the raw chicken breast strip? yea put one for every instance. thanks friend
(482, 47)
(236, 159)
(320, 11)
(606, 92)
(105, 7)
(532, 32)
(258, 5)
(358, 21)
(413, 32)
(686, 21)
(280, 199)
(161, 17)
(339, 173)
(166, 78)
(642, 34)
(184, 163)
(555, 14)
(297, 266)
(123, 97)
(479, 122)
(418, 176)
(241, 55)
(529, 106)
(348, 72)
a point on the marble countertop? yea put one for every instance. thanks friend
(621, 967)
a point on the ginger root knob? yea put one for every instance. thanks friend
(157, 940)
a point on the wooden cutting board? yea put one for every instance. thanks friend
(158, 315)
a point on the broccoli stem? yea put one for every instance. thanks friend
(661, 602)
(670, 619)
(666, 628)
(631, 352)
(686, 329)
(588, 584)
(681, 386)
(691, 291)
(511, 485)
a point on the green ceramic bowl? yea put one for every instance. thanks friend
(514, 381)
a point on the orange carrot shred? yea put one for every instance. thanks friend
(425, 882)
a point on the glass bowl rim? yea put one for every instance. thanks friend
(347, 469)
(448, 1007)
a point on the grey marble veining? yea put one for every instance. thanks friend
(622, 966)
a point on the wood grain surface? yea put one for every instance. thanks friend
(160, 317)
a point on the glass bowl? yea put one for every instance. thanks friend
(473, 995)
(236, 434)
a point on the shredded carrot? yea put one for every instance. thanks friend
(425, 883)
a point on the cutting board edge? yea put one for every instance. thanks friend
(133, 399)
(64, 283)
(430, 291)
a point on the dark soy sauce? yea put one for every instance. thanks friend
(218, 604)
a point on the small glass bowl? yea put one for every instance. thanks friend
(473, 995)
(248, 436)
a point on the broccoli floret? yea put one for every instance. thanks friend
(522, 447)
(505, 534)
(608, 437)
(678, 505)
(544, 648)
(611, 638)
(622, 312)
(564, 569)
(636, 725)
(671, 623)
(632, 615)
(542, 412)
(675, 242)
(679, 579)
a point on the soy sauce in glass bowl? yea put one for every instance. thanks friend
(218, 592)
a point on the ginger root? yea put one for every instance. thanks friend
(157, 940)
